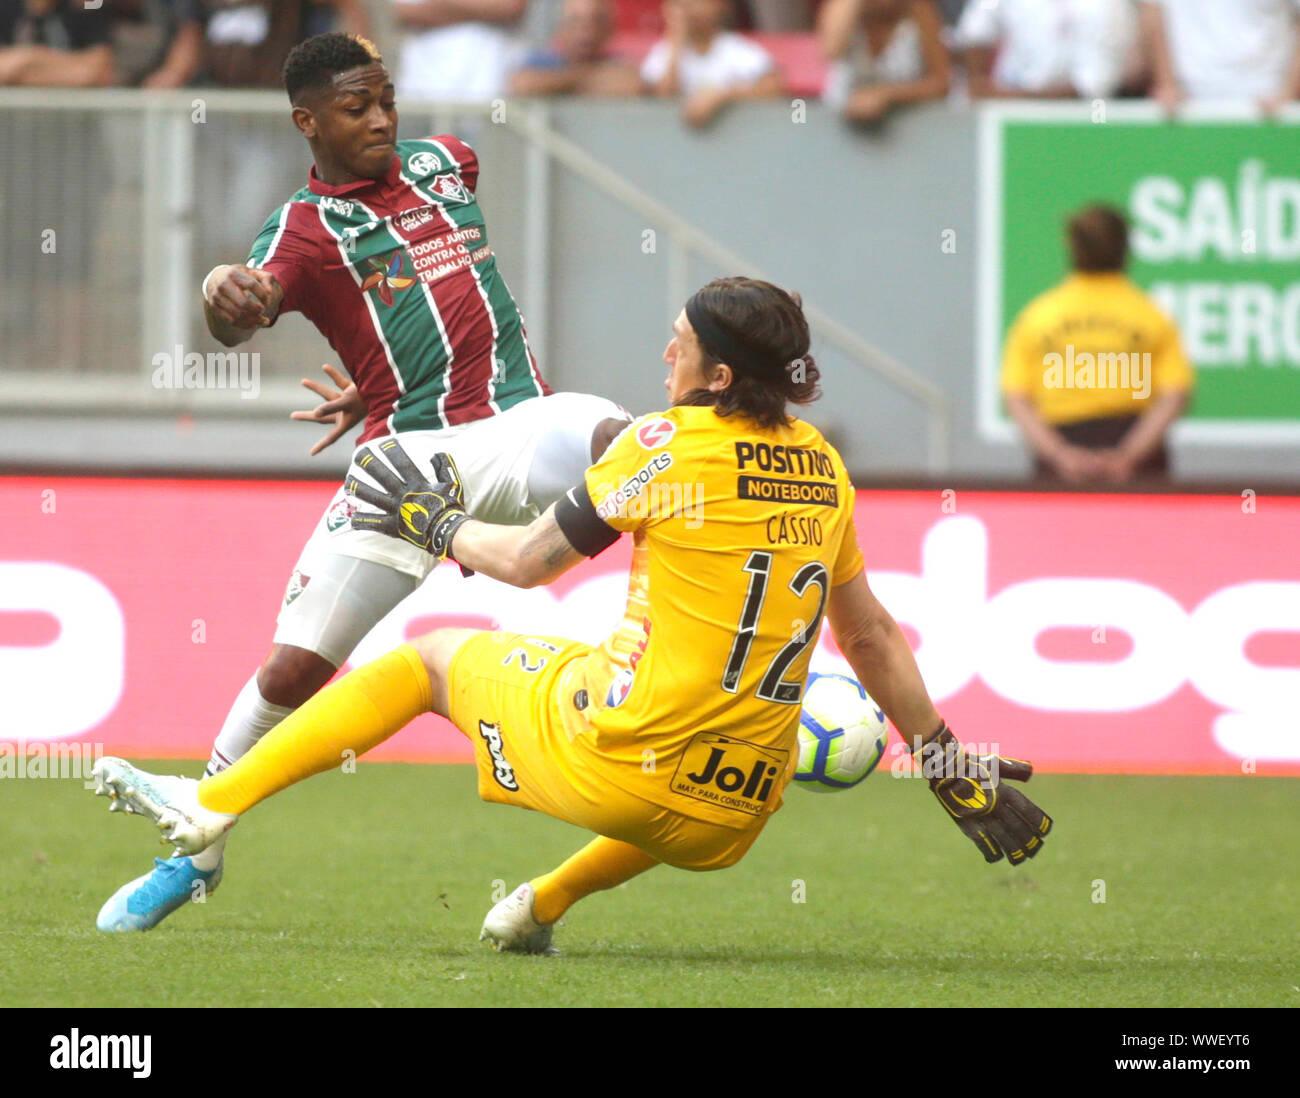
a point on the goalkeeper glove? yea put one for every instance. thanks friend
(997, 818)
(425, 514)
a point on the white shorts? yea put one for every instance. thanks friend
(493, 457)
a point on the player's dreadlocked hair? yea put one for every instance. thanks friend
(312, 63)
(759, 330)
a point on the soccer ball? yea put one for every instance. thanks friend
(842, 734)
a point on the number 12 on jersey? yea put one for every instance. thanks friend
(772, 687)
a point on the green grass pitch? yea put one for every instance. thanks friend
(368, 889)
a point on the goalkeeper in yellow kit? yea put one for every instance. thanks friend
(673, 739)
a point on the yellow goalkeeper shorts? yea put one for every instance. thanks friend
(502, 695)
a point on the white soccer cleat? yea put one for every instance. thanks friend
(511, 928)
(172, 803)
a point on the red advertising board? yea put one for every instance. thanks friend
(1126, 634)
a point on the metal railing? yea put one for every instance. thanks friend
(164, 313)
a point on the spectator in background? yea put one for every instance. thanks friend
(54, 43)
(1223, 50)
(230, 43)
(883, 53)
(780, 16)
(157, 43)
(1057, 50)
(708, 66)
(577, 60)
(323, 16)
(1093, 372)
(458, 49)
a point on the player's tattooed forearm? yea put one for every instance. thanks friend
(559, 548)
(549, 544)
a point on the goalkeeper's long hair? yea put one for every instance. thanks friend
(759, 330)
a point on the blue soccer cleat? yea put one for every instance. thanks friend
(145, 902)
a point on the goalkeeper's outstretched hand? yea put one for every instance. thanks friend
(427, 514)
(999, 819)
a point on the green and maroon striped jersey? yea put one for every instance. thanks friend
(398, 275)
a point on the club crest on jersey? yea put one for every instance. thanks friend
(423, 163)
(620, 688)
(448, 186)
(386, 276)
(655, 433)
(339, 516)
(297, 584)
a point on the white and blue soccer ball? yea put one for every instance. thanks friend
(842, 734)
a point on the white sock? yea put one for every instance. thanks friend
(211, 857)
(250, 718)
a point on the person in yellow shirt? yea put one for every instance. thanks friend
(673, 739)
(1093, 372)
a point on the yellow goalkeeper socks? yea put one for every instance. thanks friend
(354, 714)
(602, 863)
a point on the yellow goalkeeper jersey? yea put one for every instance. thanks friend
(693, 702)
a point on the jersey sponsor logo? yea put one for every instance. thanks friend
(410, 220)
(423, 163)
(774, 490)
(448, 186)
(656, 433)
(614, 503)
(501, 770)
(730, 773)
(386, 276)
(444, 255)
(796, 461)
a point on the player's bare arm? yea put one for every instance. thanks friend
(523, 556)
(881, 659)
(238, 301)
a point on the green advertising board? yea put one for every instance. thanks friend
(1214, 211)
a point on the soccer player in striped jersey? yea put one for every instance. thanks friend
(386, 252)
(673, 739)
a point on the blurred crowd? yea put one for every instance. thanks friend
(864, 57)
